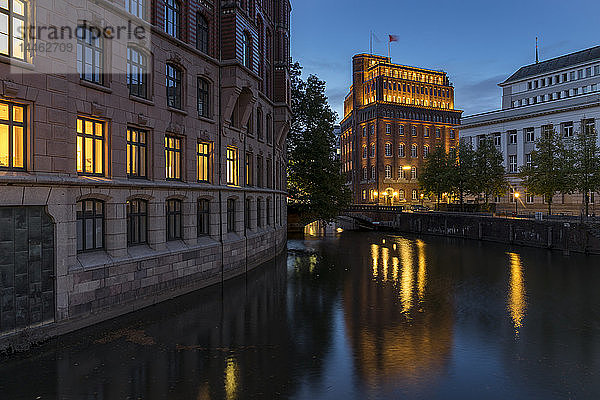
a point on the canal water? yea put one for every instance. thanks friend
(351, 316)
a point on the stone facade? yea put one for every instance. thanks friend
(239, 51)
(394, 116)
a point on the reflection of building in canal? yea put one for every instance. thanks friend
(206, 345)
(398, 324)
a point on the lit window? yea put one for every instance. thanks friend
(233, 172)
(137, 222)
(414, 130)
(173, 157)
(137, 72)
(401, 150)
(174, 86)
(203, 217)
(12, 136)
(401, 130)
(372, 172)
(364, 151)
(413, 173)
(414, 151)
(388, 172)
(372, 153)
(203, 98)
(173, 219)
(426, 134)
(12, 28)
(90, 225)
(90, 58)
(90, 147)
(204, 149)
(172, 18)
(136, 153)
(388, 129)
(425, 151)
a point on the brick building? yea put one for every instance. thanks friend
(135, 168)
(394, 116)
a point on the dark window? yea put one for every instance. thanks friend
(247, 50)
(259, 171)
(259, 124)
(173, 219)
(268, 212)
(137, 222)
(259, 213)
(90, 225)
(203, 217)
(137, 73)
(247, 214)
(136, 153)
(12, 136)
(173, 157)
(203, 98)
(173, 86)
(90, 147)
(172, 18)
(90, 60)
(249, 169)
(231, 215)
(201, 33)
(269, 129)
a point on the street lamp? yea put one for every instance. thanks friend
(422, 197)
(517, 195)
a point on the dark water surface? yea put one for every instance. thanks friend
(358, 316)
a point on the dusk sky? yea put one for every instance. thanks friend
(478, 43)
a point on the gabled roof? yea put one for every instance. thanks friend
(555, 64)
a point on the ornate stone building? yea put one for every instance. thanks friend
(141, 157)
(394, 116)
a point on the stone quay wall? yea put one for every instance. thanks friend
(558, 235)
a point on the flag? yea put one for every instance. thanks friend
(393, 38)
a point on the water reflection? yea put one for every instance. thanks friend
(355, 316)
(517, 302)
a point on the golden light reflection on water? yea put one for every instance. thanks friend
(517, 301)
(231, 378)
(406, 275)
(422, 273)
(375, 256)
(385, 253)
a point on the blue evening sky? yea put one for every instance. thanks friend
(479, 43)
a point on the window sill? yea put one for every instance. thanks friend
(177, 110)
(206, 119)
(15, 62)
(96, 86)
(141, 100)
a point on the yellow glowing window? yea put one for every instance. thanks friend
(90, 146)
(12, 136)
(136, 153)
(173, 157)
(233, 171)
(204, 161)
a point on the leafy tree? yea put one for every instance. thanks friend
(316, 186)
(435, 177)
(547, 175)
(462, 167)
(489, 175)
(585, 163)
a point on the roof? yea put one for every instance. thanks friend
(555, 64)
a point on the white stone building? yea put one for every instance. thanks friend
(558, 94)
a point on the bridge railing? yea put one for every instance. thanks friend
(373, 208)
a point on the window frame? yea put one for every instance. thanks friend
(10, 34)
(173, 157)
(142, 148)
(95, 139)
(174, 230)
(134, 219)
(202, 33)
(173, 27)
(97, 47)
(204, 161)
(174, 80)
(231, 223)
(143, 76)
(12, 124)
(95, 216)
(203, 97)
(203, 218)
(232, 164)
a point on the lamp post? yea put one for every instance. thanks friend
(422, 197)
(517, 195)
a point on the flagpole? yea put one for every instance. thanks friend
(390, 50)
(371, 42)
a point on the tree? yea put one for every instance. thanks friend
(547, 174)
(585, 163)
(490, 179)
(434, 179)
(316, 186)
(462, 167)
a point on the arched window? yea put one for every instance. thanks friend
(372, 150)
(388, 172)
(414, 130)
(137, 222)
(364, 151)
(247, 50)
(413, 173)
(365, 174)
(137, 72)
(414, 151)
(372, 172)
(173, 212)
(90, 225)
(401, 130)
(173, 18)
(401, 149)
(401, 194)
(425, 151)
(201, 33)
(388, 149)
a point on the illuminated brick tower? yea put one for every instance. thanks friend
(394, 116)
